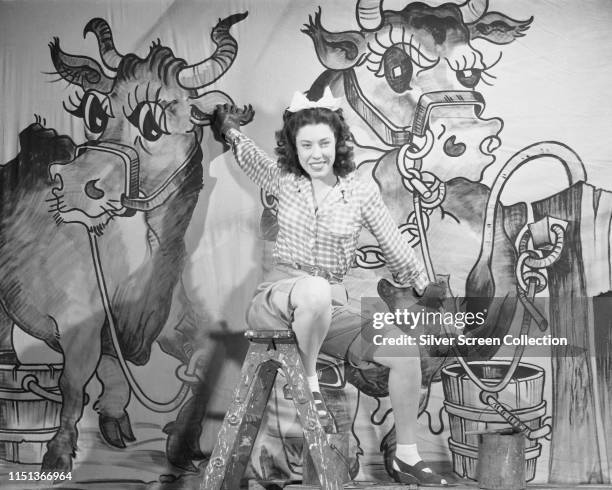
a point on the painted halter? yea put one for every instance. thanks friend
(132, 199)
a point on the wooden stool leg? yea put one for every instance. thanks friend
(339, 444)
(242, 421)
(316, 438)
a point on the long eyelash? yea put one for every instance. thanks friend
(418, 52)
(79, 97)
(69, 79)
(372, 50)
(484, 72)
(379, 43)
(455, 67)
(373, 64)
(421, 60)
(374, 57)
(154, 104)
(486, 67)
(55, 79)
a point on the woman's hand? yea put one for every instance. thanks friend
(226, 117)
(433, 295)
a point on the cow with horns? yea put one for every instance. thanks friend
(142, 155)
(408, 83)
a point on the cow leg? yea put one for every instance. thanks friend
(183, 443)
(114, 421)
(81, 348)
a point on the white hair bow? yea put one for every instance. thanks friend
(300, 101)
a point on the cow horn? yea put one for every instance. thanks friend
(369, 14)
(110, 57)
(206, 72)
(472, 10)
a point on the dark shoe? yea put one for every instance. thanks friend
(414, 475)
(324, 414)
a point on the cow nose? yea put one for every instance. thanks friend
(453, 148)
(92, 191)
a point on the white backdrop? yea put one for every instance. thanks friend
(552, 84)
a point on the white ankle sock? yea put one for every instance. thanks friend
(313, 383)
(408, 453)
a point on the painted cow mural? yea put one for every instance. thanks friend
(61, 204)
(140, 243)
(408, 84)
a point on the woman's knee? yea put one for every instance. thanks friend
(312, 294)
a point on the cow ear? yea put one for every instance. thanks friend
(335, 50)
(204, 105)
(79, 70)
(498, 28)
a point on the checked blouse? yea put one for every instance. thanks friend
(327, 237)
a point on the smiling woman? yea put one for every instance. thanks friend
(322, 207)
(316, 150)
(427, 130)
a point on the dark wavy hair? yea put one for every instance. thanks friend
(293, 121)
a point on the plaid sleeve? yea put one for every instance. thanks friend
(401, 258)
(255, 163)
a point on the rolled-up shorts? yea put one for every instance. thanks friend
(350, 336)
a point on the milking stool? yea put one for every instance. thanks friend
(269, 350)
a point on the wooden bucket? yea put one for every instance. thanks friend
(27, 421)
(468, 415)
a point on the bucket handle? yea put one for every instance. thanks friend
(513, 420)
(30, 383)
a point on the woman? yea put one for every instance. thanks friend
(322, 207)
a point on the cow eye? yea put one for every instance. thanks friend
(150, 119)
(469, 77)
(94, 108)
(398, 69)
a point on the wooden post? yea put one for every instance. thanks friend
(6, 330)
(501, 461)
(581, 382)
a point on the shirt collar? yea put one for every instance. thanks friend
(343, 188)
(344, 185)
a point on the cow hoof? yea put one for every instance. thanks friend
(116, 430)
(184, 465)
(181, 449)
(56, 462)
